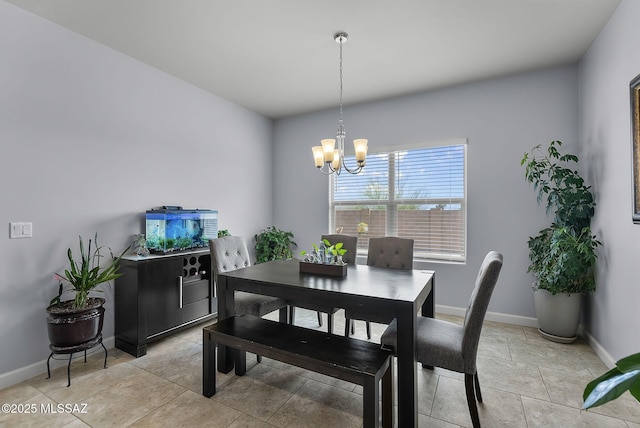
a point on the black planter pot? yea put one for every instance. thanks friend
(69, 327)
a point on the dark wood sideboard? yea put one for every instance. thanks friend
(158, 295)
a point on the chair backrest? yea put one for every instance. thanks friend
(478, 304)
(228, 253)
(350, 243)
(391, 252)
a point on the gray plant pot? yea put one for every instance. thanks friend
(558, 315)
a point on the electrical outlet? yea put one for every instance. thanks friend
(20, 230)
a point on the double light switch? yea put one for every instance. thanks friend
(20, 230)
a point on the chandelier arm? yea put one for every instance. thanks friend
(356, 170)
(329, 170)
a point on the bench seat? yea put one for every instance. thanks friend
(356, 361)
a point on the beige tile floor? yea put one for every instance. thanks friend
(526, 382)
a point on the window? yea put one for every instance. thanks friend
(415, 192)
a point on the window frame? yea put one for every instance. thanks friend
(391, 204)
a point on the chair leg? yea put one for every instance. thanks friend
(292, 315)
(348, 325)
(477, 385)
(368, 330)
(330, 323)
(319, 318)
(471, 399)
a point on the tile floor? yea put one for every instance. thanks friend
(526, 382)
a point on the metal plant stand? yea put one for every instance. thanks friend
(72, 350)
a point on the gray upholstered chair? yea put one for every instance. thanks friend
(230, 253)
(350, 243)
(388, 252)
(451, 346)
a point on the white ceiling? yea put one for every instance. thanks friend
(278, 57)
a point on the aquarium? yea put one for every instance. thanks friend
(169, 230)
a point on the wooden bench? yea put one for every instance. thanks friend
(357, 361)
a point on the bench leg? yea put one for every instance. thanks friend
(283, 315)
(371, 403)
(387, 397)
(330, 323)
(240, 358)
(208, 365)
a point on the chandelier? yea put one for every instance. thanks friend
(329, 158)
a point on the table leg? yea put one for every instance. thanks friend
(226, 308)
(429, 305)
(429, 309)
(208, 365)
(407, 369)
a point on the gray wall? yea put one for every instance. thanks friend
(501, 119)
(605, 73)
(89, 140)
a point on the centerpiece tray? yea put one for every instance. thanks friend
(323, 269)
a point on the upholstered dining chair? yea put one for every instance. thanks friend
(350, 243)
(388, 252)
(451, 346)
(230, 253)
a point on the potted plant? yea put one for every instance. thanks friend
(274, 244)
(73, 322)
(562, 255)
(625, 376)
(334, 253)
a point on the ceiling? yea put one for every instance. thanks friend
(278, 57)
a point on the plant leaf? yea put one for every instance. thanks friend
(627, 364)
(608, 387)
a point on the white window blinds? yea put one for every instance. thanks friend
(414, 192)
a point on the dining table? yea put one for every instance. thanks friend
(393, 293)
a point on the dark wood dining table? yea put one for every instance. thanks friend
(398, 294)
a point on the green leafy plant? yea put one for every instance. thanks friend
(333, 250)
(223, 232)
(86, 274)
(625, 376)
(563, 255)
(274, 244)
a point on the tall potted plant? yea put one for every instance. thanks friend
(74, 322)
(562, 255)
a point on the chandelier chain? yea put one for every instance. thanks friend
(341, 123)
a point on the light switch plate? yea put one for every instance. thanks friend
(20, 230)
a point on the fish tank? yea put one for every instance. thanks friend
(175, 229)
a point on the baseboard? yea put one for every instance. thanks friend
(606, 358)
(39, 368)
(491, 316)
